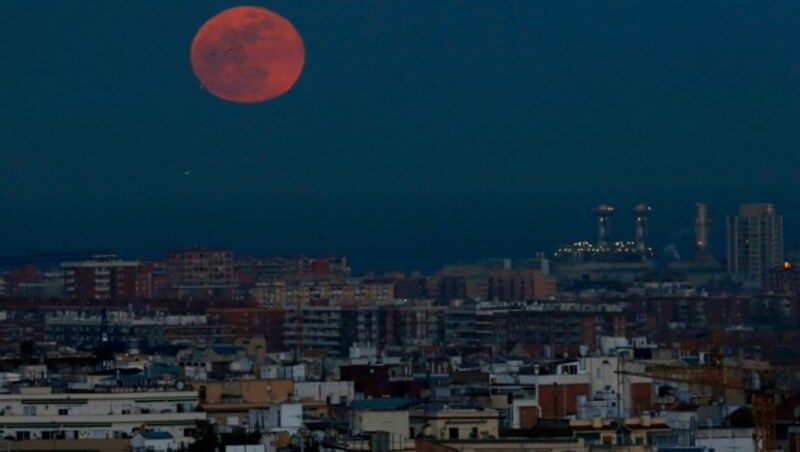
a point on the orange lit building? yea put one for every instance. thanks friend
(223, 400)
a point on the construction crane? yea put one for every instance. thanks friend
(756, 381)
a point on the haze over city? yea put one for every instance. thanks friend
(419, 132)
(417, 225)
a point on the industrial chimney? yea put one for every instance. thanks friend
(701, 225)
(604, 212)
(641, 213)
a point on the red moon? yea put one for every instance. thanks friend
(247, 54)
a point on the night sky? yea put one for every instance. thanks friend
(420, 131)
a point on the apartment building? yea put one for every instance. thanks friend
(200, 273)
(101, 278)
(755, 242)
(331, 328)
(41, 413)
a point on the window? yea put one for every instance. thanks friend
(453, 433)
(569, 370)
(63, 411)
(29, 410)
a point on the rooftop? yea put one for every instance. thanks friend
(380, 404)
(156, 435)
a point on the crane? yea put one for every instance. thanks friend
(756, 381)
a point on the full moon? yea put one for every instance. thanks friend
(247, 54)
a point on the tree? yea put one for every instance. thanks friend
(205, 437)
(240, 436)
(27, 349)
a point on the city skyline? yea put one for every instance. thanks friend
(671, 245)
(417, 225)
(416, 130)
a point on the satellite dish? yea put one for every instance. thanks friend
(180, 385)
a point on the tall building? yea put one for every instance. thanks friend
(104, 277)
(755, 242)
(200, 273)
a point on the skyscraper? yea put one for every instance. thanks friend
(755, 242)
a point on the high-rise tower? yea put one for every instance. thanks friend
(755, 242)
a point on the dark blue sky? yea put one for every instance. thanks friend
(420, 132)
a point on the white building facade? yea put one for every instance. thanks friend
(38, 413)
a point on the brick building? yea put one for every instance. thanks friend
(503, 325)
(200, 273)
(784, 279)
(413, 325)
(305, 291)
(520, 285)
(249, 322)
(102, 278)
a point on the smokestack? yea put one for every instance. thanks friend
(701, 225)
(604, 212)
(641, 213)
